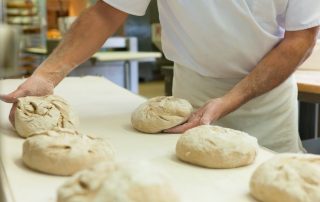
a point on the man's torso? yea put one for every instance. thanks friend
(221, 38)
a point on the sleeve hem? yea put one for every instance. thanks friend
(126, 10)
(302, 27)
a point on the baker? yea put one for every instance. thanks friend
(233, 60)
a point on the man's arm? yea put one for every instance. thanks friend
(84, 38)
(270, 72)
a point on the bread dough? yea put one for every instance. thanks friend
(120, 182)
(160, 113)
(64, 151)
(38, 114)
(289, 178)
(216, 147)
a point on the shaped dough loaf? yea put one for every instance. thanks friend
(289, 178)
(64, 151)
(126, 182)
(38, 114)
(160, 113)
(216, 147)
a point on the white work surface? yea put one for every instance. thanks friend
(104, 110)
(126, 55)
(110, 55)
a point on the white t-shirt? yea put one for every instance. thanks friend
(224, 38)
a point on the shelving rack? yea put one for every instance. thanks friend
(30, 17)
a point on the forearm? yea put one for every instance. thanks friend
(272, 70)
(84, 38)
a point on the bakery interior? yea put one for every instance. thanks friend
(128, 69)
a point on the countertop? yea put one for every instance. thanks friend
(308, 81)
(104, 110)
(109, 55)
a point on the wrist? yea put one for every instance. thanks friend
(231, 102)
(52, 73)
(217, 107)
(48, 77)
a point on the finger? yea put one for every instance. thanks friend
(13, 97)
(12, 113)
(191, 122)
(209, 116)
(7, 98)
(195, 116)
(206, 119)
(182, 128)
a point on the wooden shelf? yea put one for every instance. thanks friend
(32, 30)
(20, 5)
(22, 15)
(28, 21)
(20, 23)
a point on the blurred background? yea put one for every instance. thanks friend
(31, 29)
(131, 58)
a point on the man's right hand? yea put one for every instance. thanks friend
(78, 44)
(33, 86)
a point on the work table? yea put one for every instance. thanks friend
(105, 110)
(308, 81)
(109, 55)
(309, 96)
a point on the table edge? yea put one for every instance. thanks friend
(4, 185)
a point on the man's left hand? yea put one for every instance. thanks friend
(205, 115)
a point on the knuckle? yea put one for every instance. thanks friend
(204, 121)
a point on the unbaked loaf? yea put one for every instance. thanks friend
(120, 182)
(216, 147)
(160, 113)
(64, 151)
(38, 114)
(287, 178)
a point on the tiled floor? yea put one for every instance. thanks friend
(151, 89)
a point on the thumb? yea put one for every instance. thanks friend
(13, 97)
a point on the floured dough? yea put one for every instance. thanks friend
(160, 113)
(121, 182)
(37, 114)
(216, 147)
(287, 178)
(64, 151)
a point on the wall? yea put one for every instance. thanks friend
(140, 27)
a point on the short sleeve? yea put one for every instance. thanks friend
(302, 14)
(133, 7)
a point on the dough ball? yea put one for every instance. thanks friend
(216, 147)
(37, 114)
(121, 182)
(289, 178)
(160, 113)
(64, 151)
